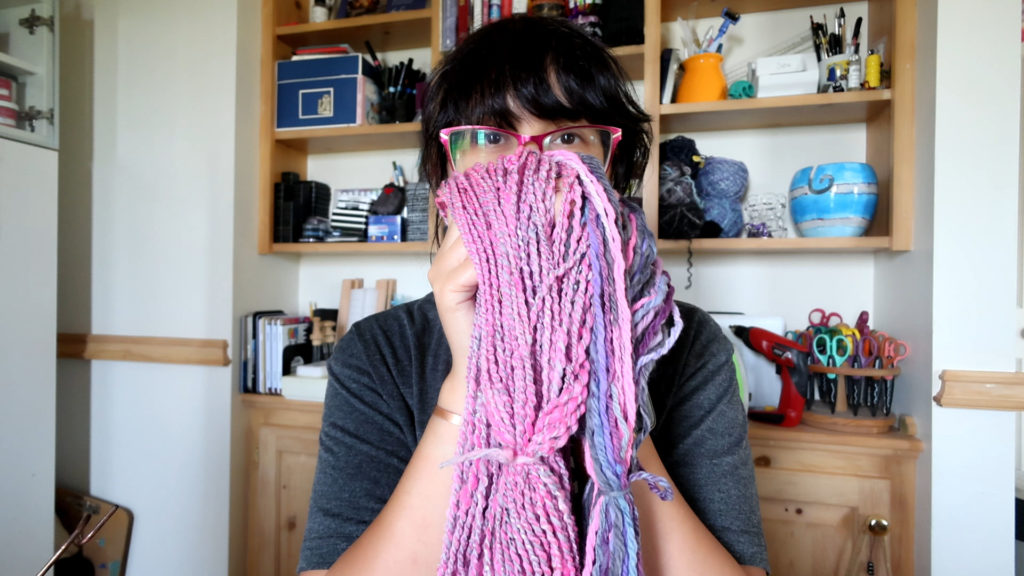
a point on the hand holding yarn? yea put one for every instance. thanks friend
(454, 282)
(572, 308)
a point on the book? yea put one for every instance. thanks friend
(289, 347)
(304, 388)
(323, 49)
(254, 340)
(669, 74)
(314, 56)
(462, 22)
(313, 370)
(449, 24)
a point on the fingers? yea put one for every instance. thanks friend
(454, 281)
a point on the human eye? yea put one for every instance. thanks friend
(567, 138)
(492, 139)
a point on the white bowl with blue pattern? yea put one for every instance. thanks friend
(833, 200)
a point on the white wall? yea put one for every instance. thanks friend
(903, 288)
(163, 213)
(260, 282)
(28, 297)
(975, 239)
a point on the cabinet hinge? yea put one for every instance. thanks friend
(33, 115)
(33, 21)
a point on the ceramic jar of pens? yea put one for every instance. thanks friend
(703, 79)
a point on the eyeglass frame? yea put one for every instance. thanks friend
(522, 139)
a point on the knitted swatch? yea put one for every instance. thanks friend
(572, 310)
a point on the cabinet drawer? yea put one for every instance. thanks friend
(810, 460)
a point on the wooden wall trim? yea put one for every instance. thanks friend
(197, 351)
(981, 390)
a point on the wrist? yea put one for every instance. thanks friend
(448, 416)
(452, 396)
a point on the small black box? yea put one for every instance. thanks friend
(295, 201)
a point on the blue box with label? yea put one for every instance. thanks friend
(384, 229)
(320, 92)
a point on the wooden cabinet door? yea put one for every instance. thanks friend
(813, 521)
(287, 463)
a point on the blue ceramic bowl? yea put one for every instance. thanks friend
(831, 200)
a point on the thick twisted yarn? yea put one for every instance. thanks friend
(572, 310)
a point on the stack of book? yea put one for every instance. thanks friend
(309, 383)
(350, 210)
(274, 344)
(417, 198)
(320, 51)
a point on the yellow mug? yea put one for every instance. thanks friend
(703, 79)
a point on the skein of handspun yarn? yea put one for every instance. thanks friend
(572, 309)
(721, 184)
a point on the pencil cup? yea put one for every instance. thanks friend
(832, 70)
(703, 79)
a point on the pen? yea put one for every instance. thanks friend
(814, 38)
(399, 174)
(842, 30)
(373, 55)
(401, 74)
(855, 41)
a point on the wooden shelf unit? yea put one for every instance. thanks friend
(887, 114)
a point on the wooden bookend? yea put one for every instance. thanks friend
(347, 285)
(385, 293)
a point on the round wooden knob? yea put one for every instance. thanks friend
(763, 461)
(878, 525)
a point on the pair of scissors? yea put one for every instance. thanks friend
(818, 317)
(865, 350)
(832, 351)
(894, 351)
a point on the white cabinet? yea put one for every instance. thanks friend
(28, 71)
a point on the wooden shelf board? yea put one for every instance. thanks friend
(352, 248)
(780, 111)
(17, 67)
(981, 390)
(352, 138)
(761, 434)
(632, 60)
(776, 245)
(273, 402)
(670, 10)
(197, 351)
(394, 31)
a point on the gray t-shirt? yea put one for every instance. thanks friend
(385, 375)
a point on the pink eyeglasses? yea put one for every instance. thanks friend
(469, 145)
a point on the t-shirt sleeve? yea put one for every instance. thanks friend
(364, 448)
(701, 436)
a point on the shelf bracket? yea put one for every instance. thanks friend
(33, 115)
(33, 21)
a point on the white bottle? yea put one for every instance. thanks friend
(318, 12)
(853, 78)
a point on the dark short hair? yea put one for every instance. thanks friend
(514, 62)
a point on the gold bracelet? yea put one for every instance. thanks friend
(448, 416)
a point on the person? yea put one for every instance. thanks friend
(398, 379)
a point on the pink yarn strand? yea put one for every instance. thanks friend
(552, 350)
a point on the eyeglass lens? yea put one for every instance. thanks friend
(482, 145)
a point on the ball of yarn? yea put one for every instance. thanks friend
(683, 151)
(721, 185)
(680, 214)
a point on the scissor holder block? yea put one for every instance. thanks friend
(843, 419)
